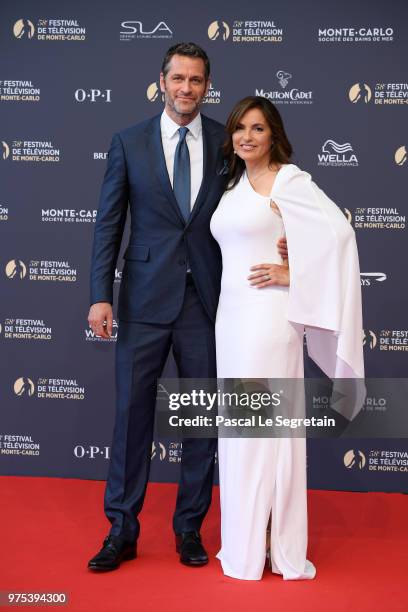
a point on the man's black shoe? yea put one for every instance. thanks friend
(192, 552)
(114, 550)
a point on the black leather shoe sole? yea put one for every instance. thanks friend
(128, 556)
(192, 563)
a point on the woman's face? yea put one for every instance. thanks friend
(252, 139)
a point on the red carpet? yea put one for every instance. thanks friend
(50, 527)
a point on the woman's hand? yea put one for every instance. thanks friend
(267, 275)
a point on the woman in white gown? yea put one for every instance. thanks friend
(260, 328)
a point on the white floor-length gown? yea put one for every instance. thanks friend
(259, 478)
(259, 334)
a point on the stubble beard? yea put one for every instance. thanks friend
(172, 104)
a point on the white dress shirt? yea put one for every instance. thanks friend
(194, 139)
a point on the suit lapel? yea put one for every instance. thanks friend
(209, 161)
(158, 163)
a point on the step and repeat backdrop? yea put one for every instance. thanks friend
(71, 75)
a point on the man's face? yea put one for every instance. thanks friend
(184, 86)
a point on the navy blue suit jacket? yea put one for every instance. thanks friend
(154, 275)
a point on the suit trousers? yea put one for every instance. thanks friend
(141, 353)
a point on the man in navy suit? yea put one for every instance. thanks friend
(169, 171)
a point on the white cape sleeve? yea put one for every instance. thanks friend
(325, 291)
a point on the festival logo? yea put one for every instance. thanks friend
(24, 386)
(175, 452)
(153, 93)
(133, 30)
(19, 444)
(360, 93)
(394, 340)
(335, 154)
(363, 34)
(384, 94)
(390, 94)
(69, 30)
(354, 459)
(27, 329)
(376, 218)
(37, 151)
(6, 149)
(293, 95)
(19, 91)
(348, 215)
(16, 268)
(385, 460)
(400, 156)
(213, 96)
(245, 31)
(54, 271)
(158, 450)
(369, 339)
(23, 28)
(387, 340)
(50, 388)
(218, 30)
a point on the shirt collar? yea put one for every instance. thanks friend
(170, 127)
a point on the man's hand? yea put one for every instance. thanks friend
(100, 319)
(283, 248)
(266, 275)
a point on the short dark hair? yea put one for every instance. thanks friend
(281, 150)
(189, 49)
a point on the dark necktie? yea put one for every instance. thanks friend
(181, 174)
